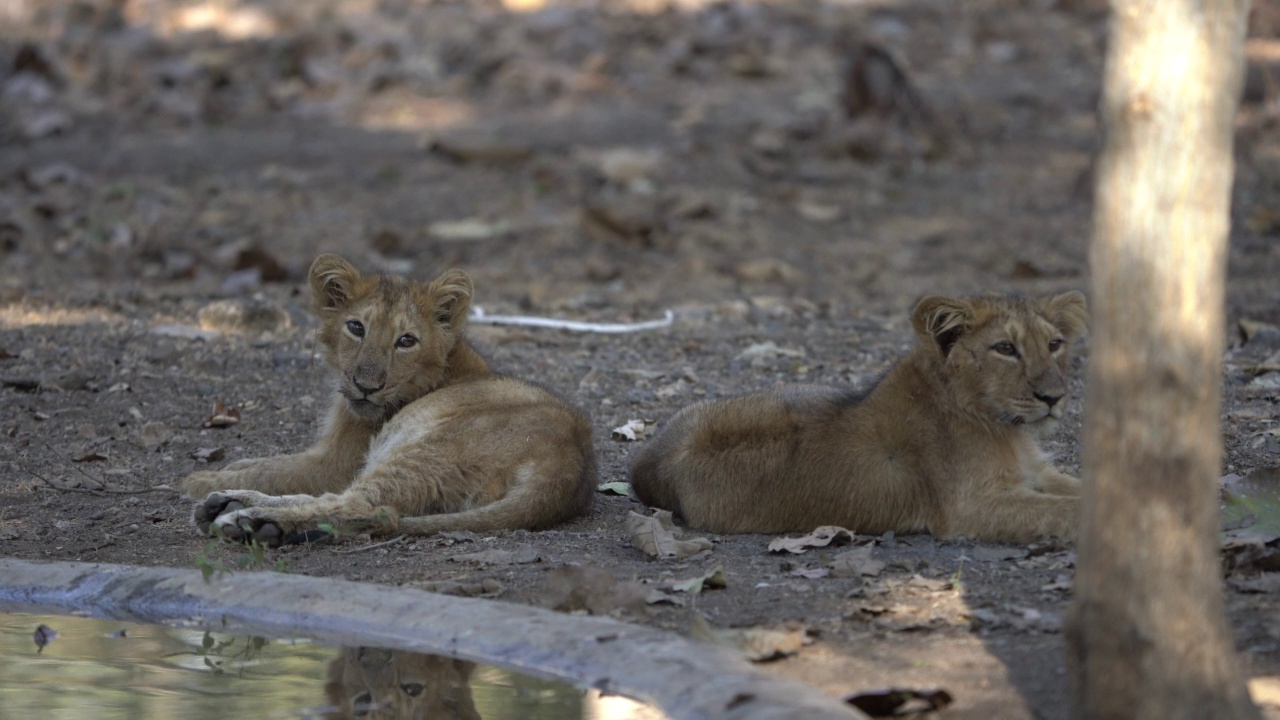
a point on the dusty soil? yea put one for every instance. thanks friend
(599, 162)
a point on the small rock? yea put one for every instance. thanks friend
(251, 317)
(627, 166)
(153, 434)
(767, 270)
(819, 212)
(486, 151)
(467, 230)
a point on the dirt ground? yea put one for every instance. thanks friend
(588, 161)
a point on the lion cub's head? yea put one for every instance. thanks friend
(373, 683)
(1004, 359)
(388, 337)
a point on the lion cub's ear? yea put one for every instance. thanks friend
(942, 320)
(1068, 312)
(332, 281)
(450, 298)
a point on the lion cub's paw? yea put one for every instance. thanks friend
(223, 503)
(211, 507)
(245, 525)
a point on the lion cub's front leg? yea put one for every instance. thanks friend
(1044, 477)
(405, 483)
(1055, 482)
(329, 466)
(1014, 513)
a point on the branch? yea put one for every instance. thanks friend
(393, 541)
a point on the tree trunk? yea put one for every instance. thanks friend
(1147, 635)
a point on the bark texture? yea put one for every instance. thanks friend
(1147, 634)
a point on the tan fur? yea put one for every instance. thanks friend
(422, 435)
(947, 442)
(376, 684)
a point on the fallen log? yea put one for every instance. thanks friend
(687, 680)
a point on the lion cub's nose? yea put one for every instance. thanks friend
(1049, 400)
(367, 389)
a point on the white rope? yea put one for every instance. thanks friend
(478, 316)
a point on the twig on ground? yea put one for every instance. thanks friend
(393, 541)
(478, 316)
(103, 488)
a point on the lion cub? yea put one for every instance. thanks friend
(946, 442)
(372, 684)
(422, 436)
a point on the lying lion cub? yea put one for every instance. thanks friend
(422, 436)
(946, 442)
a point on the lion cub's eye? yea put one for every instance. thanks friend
(1055, 345)
(355, 327)
(406, 341)
(1006, 348)
(412, 689)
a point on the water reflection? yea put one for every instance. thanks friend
(383, 684)
(112, 670)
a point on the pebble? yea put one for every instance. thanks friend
(248, 316)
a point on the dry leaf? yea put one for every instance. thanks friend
(1250, 329)
(713, 580)
(856, 563)
(658, 536)
(820, 537)
(213, 454)
(91, 456)
(632, 430)
(814, 573)
(615, 488)
(756, 643)
(223, 416)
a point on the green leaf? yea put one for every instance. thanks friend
(206, 568)
(615, 488)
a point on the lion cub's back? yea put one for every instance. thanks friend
(714, 460)
(498, 427)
